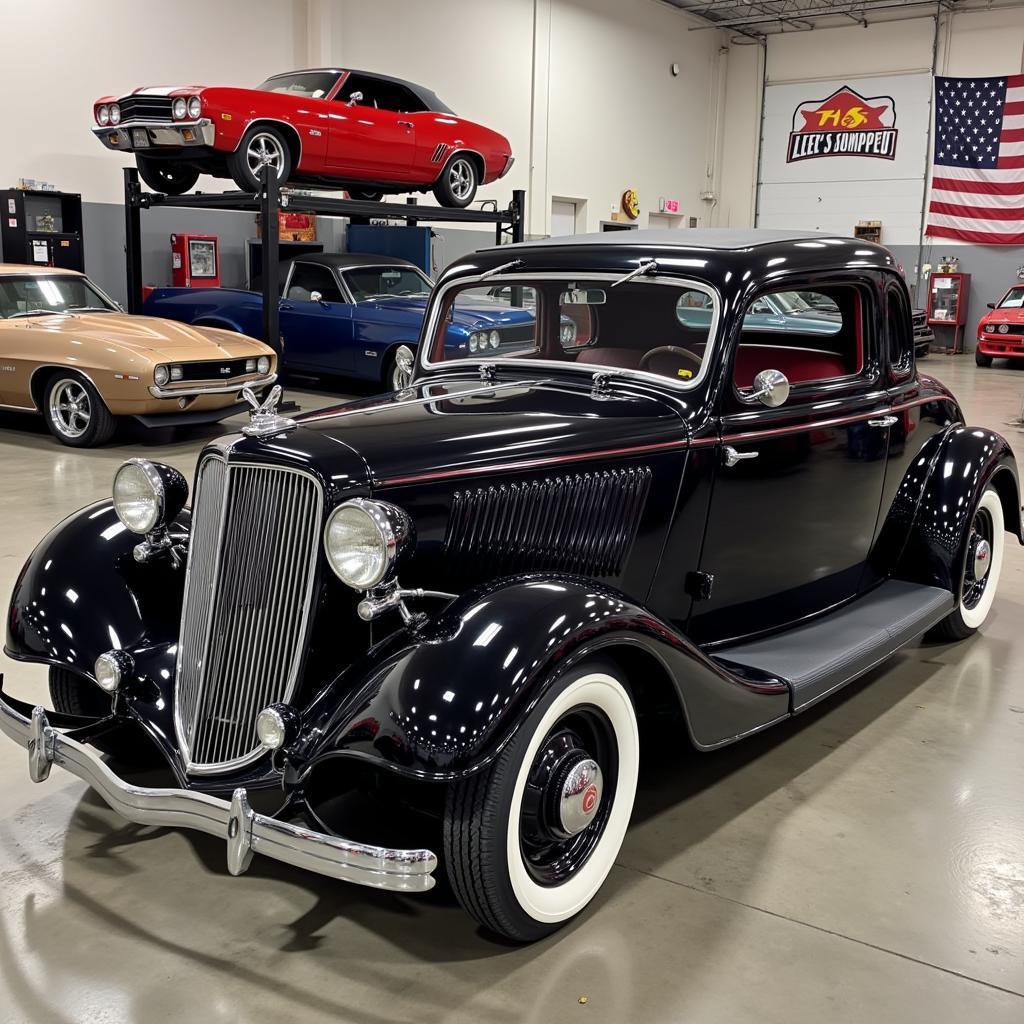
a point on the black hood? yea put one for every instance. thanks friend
(456, 427)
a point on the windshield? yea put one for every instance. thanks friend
(314, 85)
(386, 282)
(635, 326)
(39, 296)
(1013, 299)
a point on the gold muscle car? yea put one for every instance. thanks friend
(71, 353)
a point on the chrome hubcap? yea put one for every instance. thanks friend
(460, 179)
(264, 151)
(70, 408)
(982, 559)
(581, 797)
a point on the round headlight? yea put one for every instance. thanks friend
(270, 730)
(263, 364)
(194, 108)
(115, 113)
(110, 668)
(495, 339)
(1004, 328)
(179, 109)
(103, 114)
(148, 494)
(363, 540)
(161, 375)
(474, 341)
(138, 496)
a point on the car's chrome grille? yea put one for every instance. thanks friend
(581, 523)
(146, 108)
(251, 568)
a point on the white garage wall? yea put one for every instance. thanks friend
(69, 53)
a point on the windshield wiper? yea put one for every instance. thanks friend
(646, 267)
(38, 312)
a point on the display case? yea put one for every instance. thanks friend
(42, 228)
(948, 295)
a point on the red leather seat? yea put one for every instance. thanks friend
(798, 364)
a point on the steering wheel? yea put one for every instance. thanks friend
(670, 350)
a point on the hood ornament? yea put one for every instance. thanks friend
(263, 416)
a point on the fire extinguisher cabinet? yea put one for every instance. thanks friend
(195, 261)
(948, 295)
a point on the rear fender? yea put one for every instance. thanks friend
(969, 460)
(441, 702)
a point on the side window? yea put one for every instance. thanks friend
(309, 278)
(899, 333)
(810, 335)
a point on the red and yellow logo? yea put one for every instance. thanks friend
(843, 124)
(631, 204)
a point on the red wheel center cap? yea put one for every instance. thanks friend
(589, 798)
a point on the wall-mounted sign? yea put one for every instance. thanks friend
(844, 124)
(670, 206)
(1020, 273)
(631, 204)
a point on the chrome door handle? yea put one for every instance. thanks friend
(406, 124)
(730, 456)
(884, 421)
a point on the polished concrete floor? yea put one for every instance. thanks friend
(864, 863)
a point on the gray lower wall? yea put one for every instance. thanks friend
(993, 268)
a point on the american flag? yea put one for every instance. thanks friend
(978, 167)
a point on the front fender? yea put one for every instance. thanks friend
(441, 702)
(968, 461)
(81, 593)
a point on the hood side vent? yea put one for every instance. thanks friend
(581, 523)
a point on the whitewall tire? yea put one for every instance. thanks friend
(530, 840)
(981, 565)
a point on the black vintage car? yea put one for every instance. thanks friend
(465, 595)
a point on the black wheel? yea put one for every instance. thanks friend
(981, 359)
(367, 194)
(166, 176)
(398, 368)
(458, 182)
(529, 841)
(73, 694)
(261, 145)
(74, 411)
(980, 565)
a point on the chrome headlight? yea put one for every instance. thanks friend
(263, 364)
(103, 114)
(363, 540)
(148, 495)
(474, 342)
(111, 668)
(1004, 328)
(194, 108)
(115, 113)
(179, 109)
(161, 375)
(494, 338)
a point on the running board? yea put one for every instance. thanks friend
(835, 649)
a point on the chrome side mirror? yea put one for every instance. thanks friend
(354, 98)
(316, 297)
(771, 388)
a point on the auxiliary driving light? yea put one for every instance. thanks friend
(276, 726)
(111, 668)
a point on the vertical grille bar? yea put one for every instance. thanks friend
(252, 562)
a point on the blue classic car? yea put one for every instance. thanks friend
(354, 315)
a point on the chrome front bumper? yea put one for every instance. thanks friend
(245, 831)
(158, 133)
(191, 389)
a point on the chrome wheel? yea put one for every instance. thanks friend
(462, 179)
(401, 368)
(979, 559)
(264, 150)
(70, 407)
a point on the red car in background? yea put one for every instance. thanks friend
(1001, 332)
(329, 127)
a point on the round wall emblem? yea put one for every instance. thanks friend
(631, 204)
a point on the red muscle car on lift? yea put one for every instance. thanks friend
(329, 127)
(1001, 332)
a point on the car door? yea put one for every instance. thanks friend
(797, 487)
(370, 136)
(316, 320)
